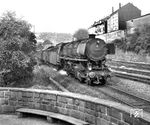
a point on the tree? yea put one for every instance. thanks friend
(17, 46)
(139, 41)
(46, 36)
(81, 34)
(39, 46)
(47, 42)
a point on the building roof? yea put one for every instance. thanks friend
(148, 14)
(107, 17)
(47, 46)
(100, 21)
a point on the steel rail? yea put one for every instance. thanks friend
(136, 102)
(145, 66)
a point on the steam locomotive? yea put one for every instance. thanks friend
(84, 59)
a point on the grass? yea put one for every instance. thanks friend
(129, 56)
(39, 81)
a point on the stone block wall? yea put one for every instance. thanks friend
(93, 110)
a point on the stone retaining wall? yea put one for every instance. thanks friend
(93, 110)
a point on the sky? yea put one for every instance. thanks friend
(65, 16)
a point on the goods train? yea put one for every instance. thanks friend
(84, 59)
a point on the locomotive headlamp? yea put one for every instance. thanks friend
(109, 68)
(90, 67)
(91, 74)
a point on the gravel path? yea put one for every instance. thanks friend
(134, 87)
(14, 120)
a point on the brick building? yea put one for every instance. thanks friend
(137, 22)
(113, 25)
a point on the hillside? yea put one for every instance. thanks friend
(54, 37)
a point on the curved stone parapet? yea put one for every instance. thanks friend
(93, 110)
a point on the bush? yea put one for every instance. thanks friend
(139, 41)
(17, 46)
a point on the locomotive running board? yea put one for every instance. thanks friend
(75, 59)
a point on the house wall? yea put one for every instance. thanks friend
(112, 23)
(135, 23)
(126, 13)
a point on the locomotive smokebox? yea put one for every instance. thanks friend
(92, 35)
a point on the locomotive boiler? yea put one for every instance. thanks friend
(84, 59)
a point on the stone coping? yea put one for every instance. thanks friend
(107, 103)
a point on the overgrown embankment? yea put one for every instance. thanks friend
(129, 56)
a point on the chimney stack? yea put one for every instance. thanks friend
(92, 35)
(119, 5)
(112, 9)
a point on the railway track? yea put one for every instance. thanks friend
(136, 65)
(132, 76)
(59, 86)
(124, 97)
(132, 71)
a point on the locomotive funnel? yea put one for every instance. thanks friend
(92, 35)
